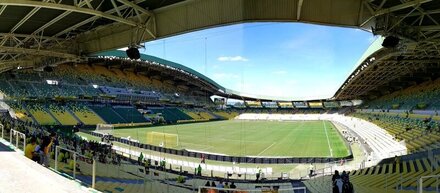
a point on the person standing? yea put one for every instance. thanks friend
(199, 170)
(347, 186)
(202, 157)
(45, 150)
(337, 182)
(140, 158)
(30, 148)
(258, 174)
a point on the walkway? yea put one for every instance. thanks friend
(20, 174)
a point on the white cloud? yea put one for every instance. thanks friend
(232, 59)
(279, 72)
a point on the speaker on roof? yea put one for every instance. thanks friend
(390, 42)
(133, 53)
(48, 69)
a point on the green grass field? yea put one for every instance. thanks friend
(252, 138)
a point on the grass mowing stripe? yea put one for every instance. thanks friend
(250, 138)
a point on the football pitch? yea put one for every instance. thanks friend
(252, 138)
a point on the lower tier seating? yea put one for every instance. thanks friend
(414, 132)
(402, 175)
(40, 114)
(130, 114)
(108, 114)
(62, 115)
(85, 115)
(172, 114)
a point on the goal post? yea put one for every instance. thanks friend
(104, 128)
(163, 139)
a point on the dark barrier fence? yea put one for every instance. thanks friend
(237, 159)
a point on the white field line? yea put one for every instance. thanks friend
(328, 141)
(266, 148)
(196, 144)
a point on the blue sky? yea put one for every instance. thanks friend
(293, 60)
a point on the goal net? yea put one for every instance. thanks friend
(163, 139)
(104, 128)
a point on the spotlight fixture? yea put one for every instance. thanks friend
(133, 53)
(390, 42)
(48, 69)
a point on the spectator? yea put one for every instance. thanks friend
(344, 175)
(140, 158)
(202, 159)
(45, 147)
(39, 151)
(220, 186)
(232, 186)
(335, 175)
(30, 148)
(337, 182)
(347, 186)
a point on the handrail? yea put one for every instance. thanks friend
(75, 154)
(17, 134)
(420, 184)
(3, 128)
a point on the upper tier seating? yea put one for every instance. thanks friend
(422, 96)
(78, 80)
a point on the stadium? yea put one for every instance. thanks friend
(122, 96)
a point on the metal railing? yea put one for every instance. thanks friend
(3, 132)
(75, 155)
(420, 188)
(17, 134)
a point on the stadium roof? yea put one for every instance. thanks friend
(215, 88)
(382, 70)
(48, 32)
